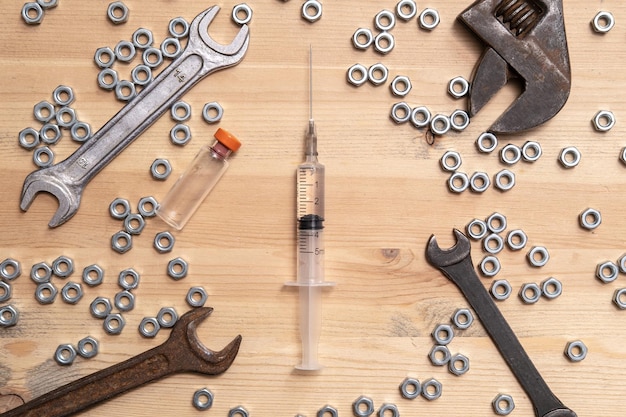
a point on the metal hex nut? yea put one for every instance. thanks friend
(463, 318)
(530, 293)
(9, 316)
(63, 266)
(100, 307)
(202, 399)
(459, 364)
(149, 327)
(65, 354)
(196, 296)
(10, 269)
(134, 223)
(167, 317)
(590, 219)
(164, 242)
(87, 347)
(72, 292)
(124, 300)
(121, 242)
(410, 388)
(439, 355)
(93, 275)
(503, 404)
(114, 324)
(128, 279)
(607, 272)
(363, 406)
(443, 334)
(40, 272)
(117, 12)
(177, 268)
(604, 121)
(431, 389)
(32, 13)
(619, 298)
(575, 351)
(5, 291)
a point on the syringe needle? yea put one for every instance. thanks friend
(310, 82)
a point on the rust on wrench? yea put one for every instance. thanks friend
(456, 264)
(182, 352)
(201, 57)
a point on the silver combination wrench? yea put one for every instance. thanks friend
(201, 57)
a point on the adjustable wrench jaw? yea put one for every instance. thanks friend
(525, 39)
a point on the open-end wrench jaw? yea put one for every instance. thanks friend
(39, 181)
(200, 26)
(441, 258)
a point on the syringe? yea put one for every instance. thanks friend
(310, 216)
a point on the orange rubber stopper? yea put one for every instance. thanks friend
(227, 139)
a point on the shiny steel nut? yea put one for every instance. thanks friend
(152, 57)
(388, 410)
(406, 9)
(32, 13)
(5, 291)
(326, 411)
(429, 19)
(451, 161)
(619, 298)
(63, 95)
(48, 4)
(180, 111)
(147, 206)
(80, 131)
(504, 180)
(312, 10)
(493, 244)
(100, 307)
(420, 116)
(531, 151)
(487, 142)
(65, 117)
(410, 388)
(128, 279)
(124, 300)
(431, 389)
(363, 406)
(530, 293)
(357, 75)
(479, 182)
(104, 57)
(458, 87)
(72, 292)
(180, 134)
(458, 182)
(108, 79)
(377, 74)
(212, 112)
(476, 229)
(46, 293)
(10, 269)
(489, 266)
(503, 404)
(164, 242)
(43, 111)
(603, 22)
(65, 354)
(142, 38)
(400, 112)
(362, 38)
(459, 120)
(459, 364)
(40, 272)
(119, 208)
(177, 268)
(242, 14)
(439, 355)
(443, 334)
(50, 133)
(160, 169)
(171, 48)
(384, 20)
(43, 157)
(9, 316)
(496, 222)
(575, 351)
(384, 43)
(178, 27)
(93, 275)
(401, 86)
(125, 90)
(196, 296)
(510, 154)
(28, 138)
(590, 219)
(167, 317)
(501, 289)
(621, 262)
(516, 239)
(121, 242)
(134, 223)
(149, 327)
(202, 399)
(538, 256)
(125, 51)
(607, 272)
(114, 324)
(117, 12)
(569, 157)
(463, 318)
(63, 266)
(604, 121)
(440, 124)
(239, 411)
(141, 75)
(87, 347)
(551, 288)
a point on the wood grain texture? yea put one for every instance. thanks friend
(385, 196)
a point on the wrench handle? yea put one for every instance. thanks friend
(99, 386)
(544, 401)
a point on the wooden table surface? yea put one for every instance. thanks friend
(385, 195)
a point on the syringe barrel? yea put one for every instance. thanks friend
(310, 250)
(310, 188)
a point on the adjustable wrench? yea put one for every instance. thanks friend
(456, 264)
(525, 38)
(201, 57)
(182, 352)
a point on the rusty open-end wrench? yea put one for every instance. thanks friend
(182, 352)
(456, 264)
(201, 57)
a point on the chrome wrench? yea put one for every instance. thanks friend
(201, 57)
